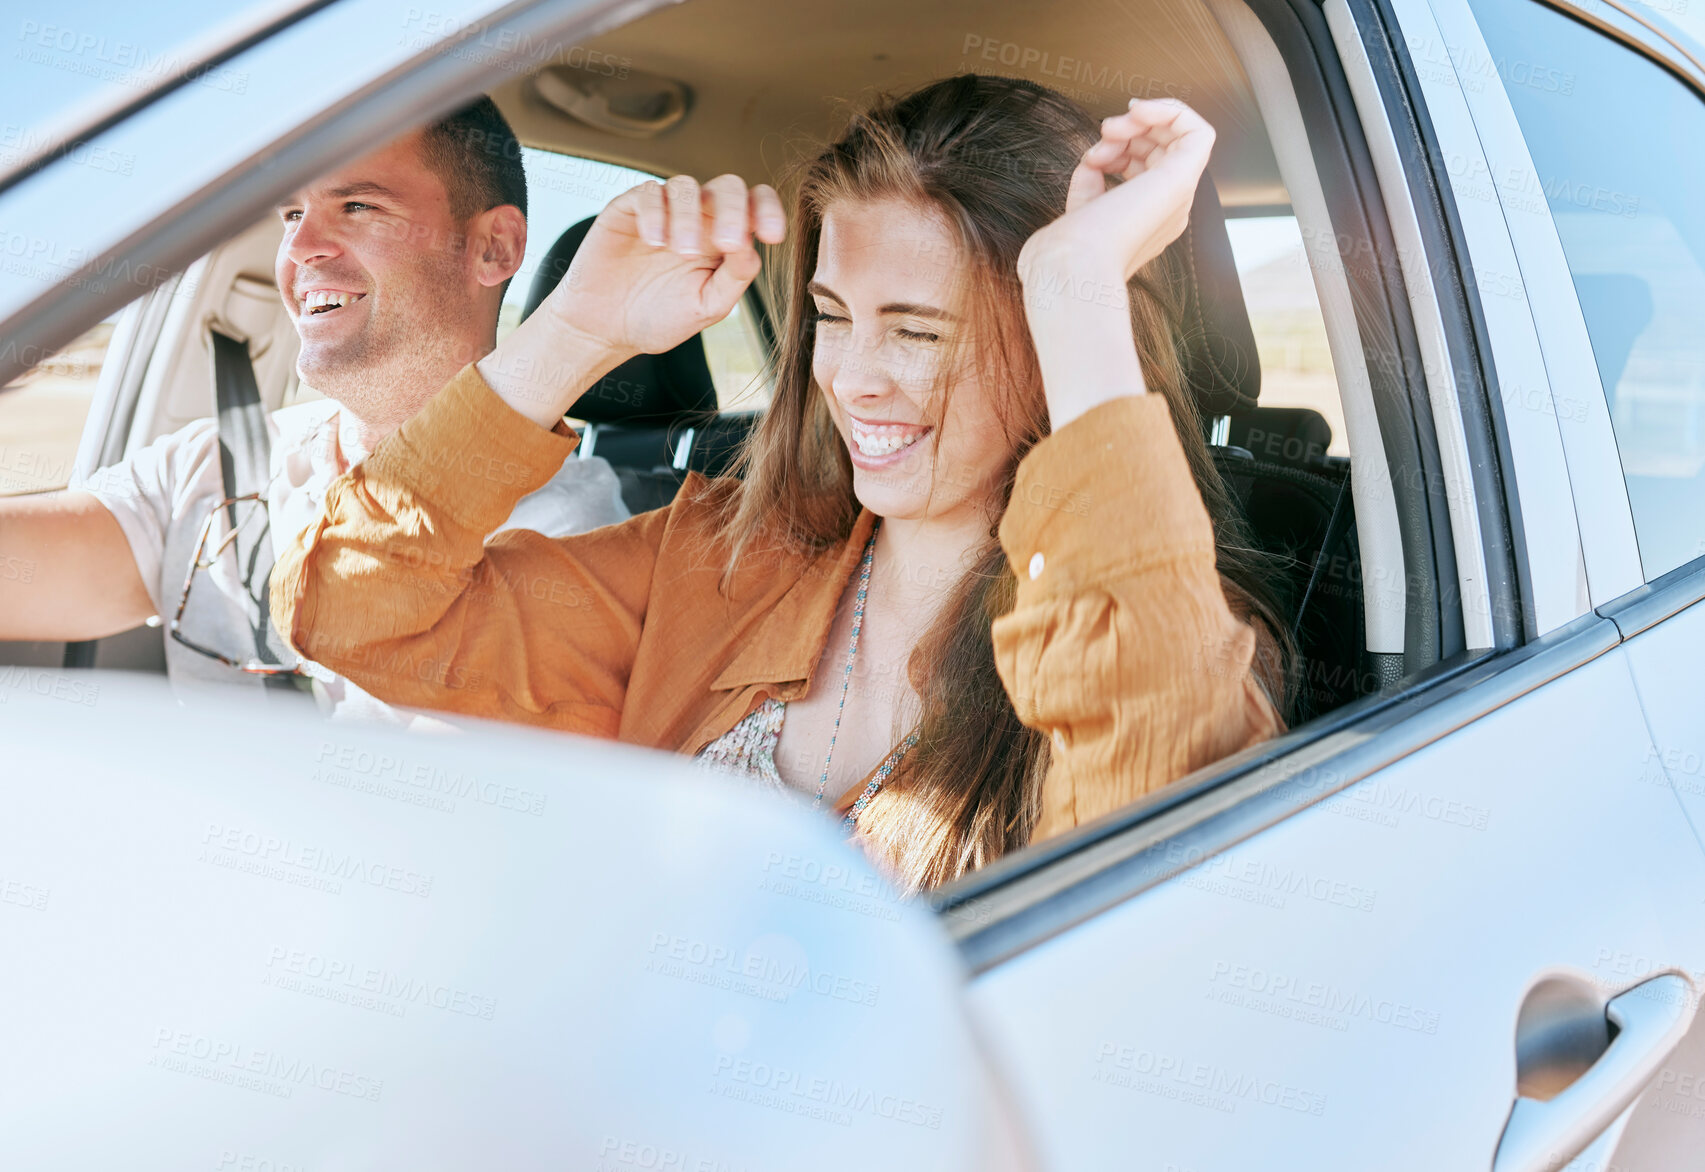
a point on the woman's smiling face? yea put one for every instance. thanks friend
(884, 291)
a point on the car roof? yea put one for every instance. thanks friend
(767, 77)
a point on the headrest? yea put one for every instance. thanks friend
(648, 389)
(1298, 436)
(1220, 363)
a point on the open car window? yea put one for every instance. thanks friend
(43, 411)
(564, 189)
(1290, 331)
(1292, 481)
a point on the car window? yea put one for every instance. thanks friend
(1284, 312)
(1686, 17)
(66, 58)
(564, 189)
(42, 413)
(735, 353)
(1615, 143)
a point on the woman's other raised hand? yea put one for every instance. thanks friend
(1074, 270)
(661, 262)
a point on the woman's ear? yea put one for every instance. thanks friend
(499, 235)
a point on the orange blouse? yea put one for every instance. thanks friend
(1121, 644)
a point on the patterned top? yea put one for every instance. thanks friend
(748, 750)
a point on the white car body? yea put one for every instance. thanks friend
(1340, 950)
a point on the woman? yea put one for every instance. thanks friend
(977, 355)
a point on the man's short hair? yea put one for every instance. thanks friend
(476, 155)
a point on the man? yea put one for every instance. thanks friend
(393, 270)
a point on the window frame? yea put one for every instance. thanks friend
(1021, 901)
(1668, 594)
(1609, 554)
(1042, 890)
(1638, 34)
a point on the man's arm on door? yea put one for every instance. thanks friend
(66, 570)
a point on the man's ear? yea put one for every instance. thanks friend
(499, 235)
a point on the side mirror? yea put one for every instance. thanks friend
(239, 937)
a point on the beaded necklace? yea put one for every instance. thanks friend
(887, 767)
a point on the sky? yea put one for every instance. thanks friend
(58, 55)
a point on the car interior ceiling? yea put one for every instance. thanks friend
(818, 60)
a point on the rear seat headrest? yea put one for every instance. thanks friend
(648, 389)
(1220, 363)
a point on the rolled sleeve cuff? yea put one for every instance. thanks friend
(1107, 496)
(471, 454)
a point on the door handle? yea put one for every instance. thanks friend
(1651, 1019)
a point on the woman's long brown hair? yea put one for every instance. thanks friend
(993, 156)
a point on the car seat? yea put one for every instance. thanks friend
(1274, 460)
(654, 416)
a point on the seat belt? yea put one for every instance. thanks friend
(245, 465)
(1336, 526)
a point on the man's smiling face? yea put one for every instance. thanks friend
(378, 276)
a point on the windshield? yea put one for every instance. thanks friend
(65, 61)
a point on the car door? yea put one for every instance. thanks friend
(1332, 944)
(360, 950)
(1398, 946)
(1601, 101)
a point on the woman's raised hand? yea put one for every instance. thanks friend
(1075, 270)
(665, 260)
(1158, 149)
(661, 262)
